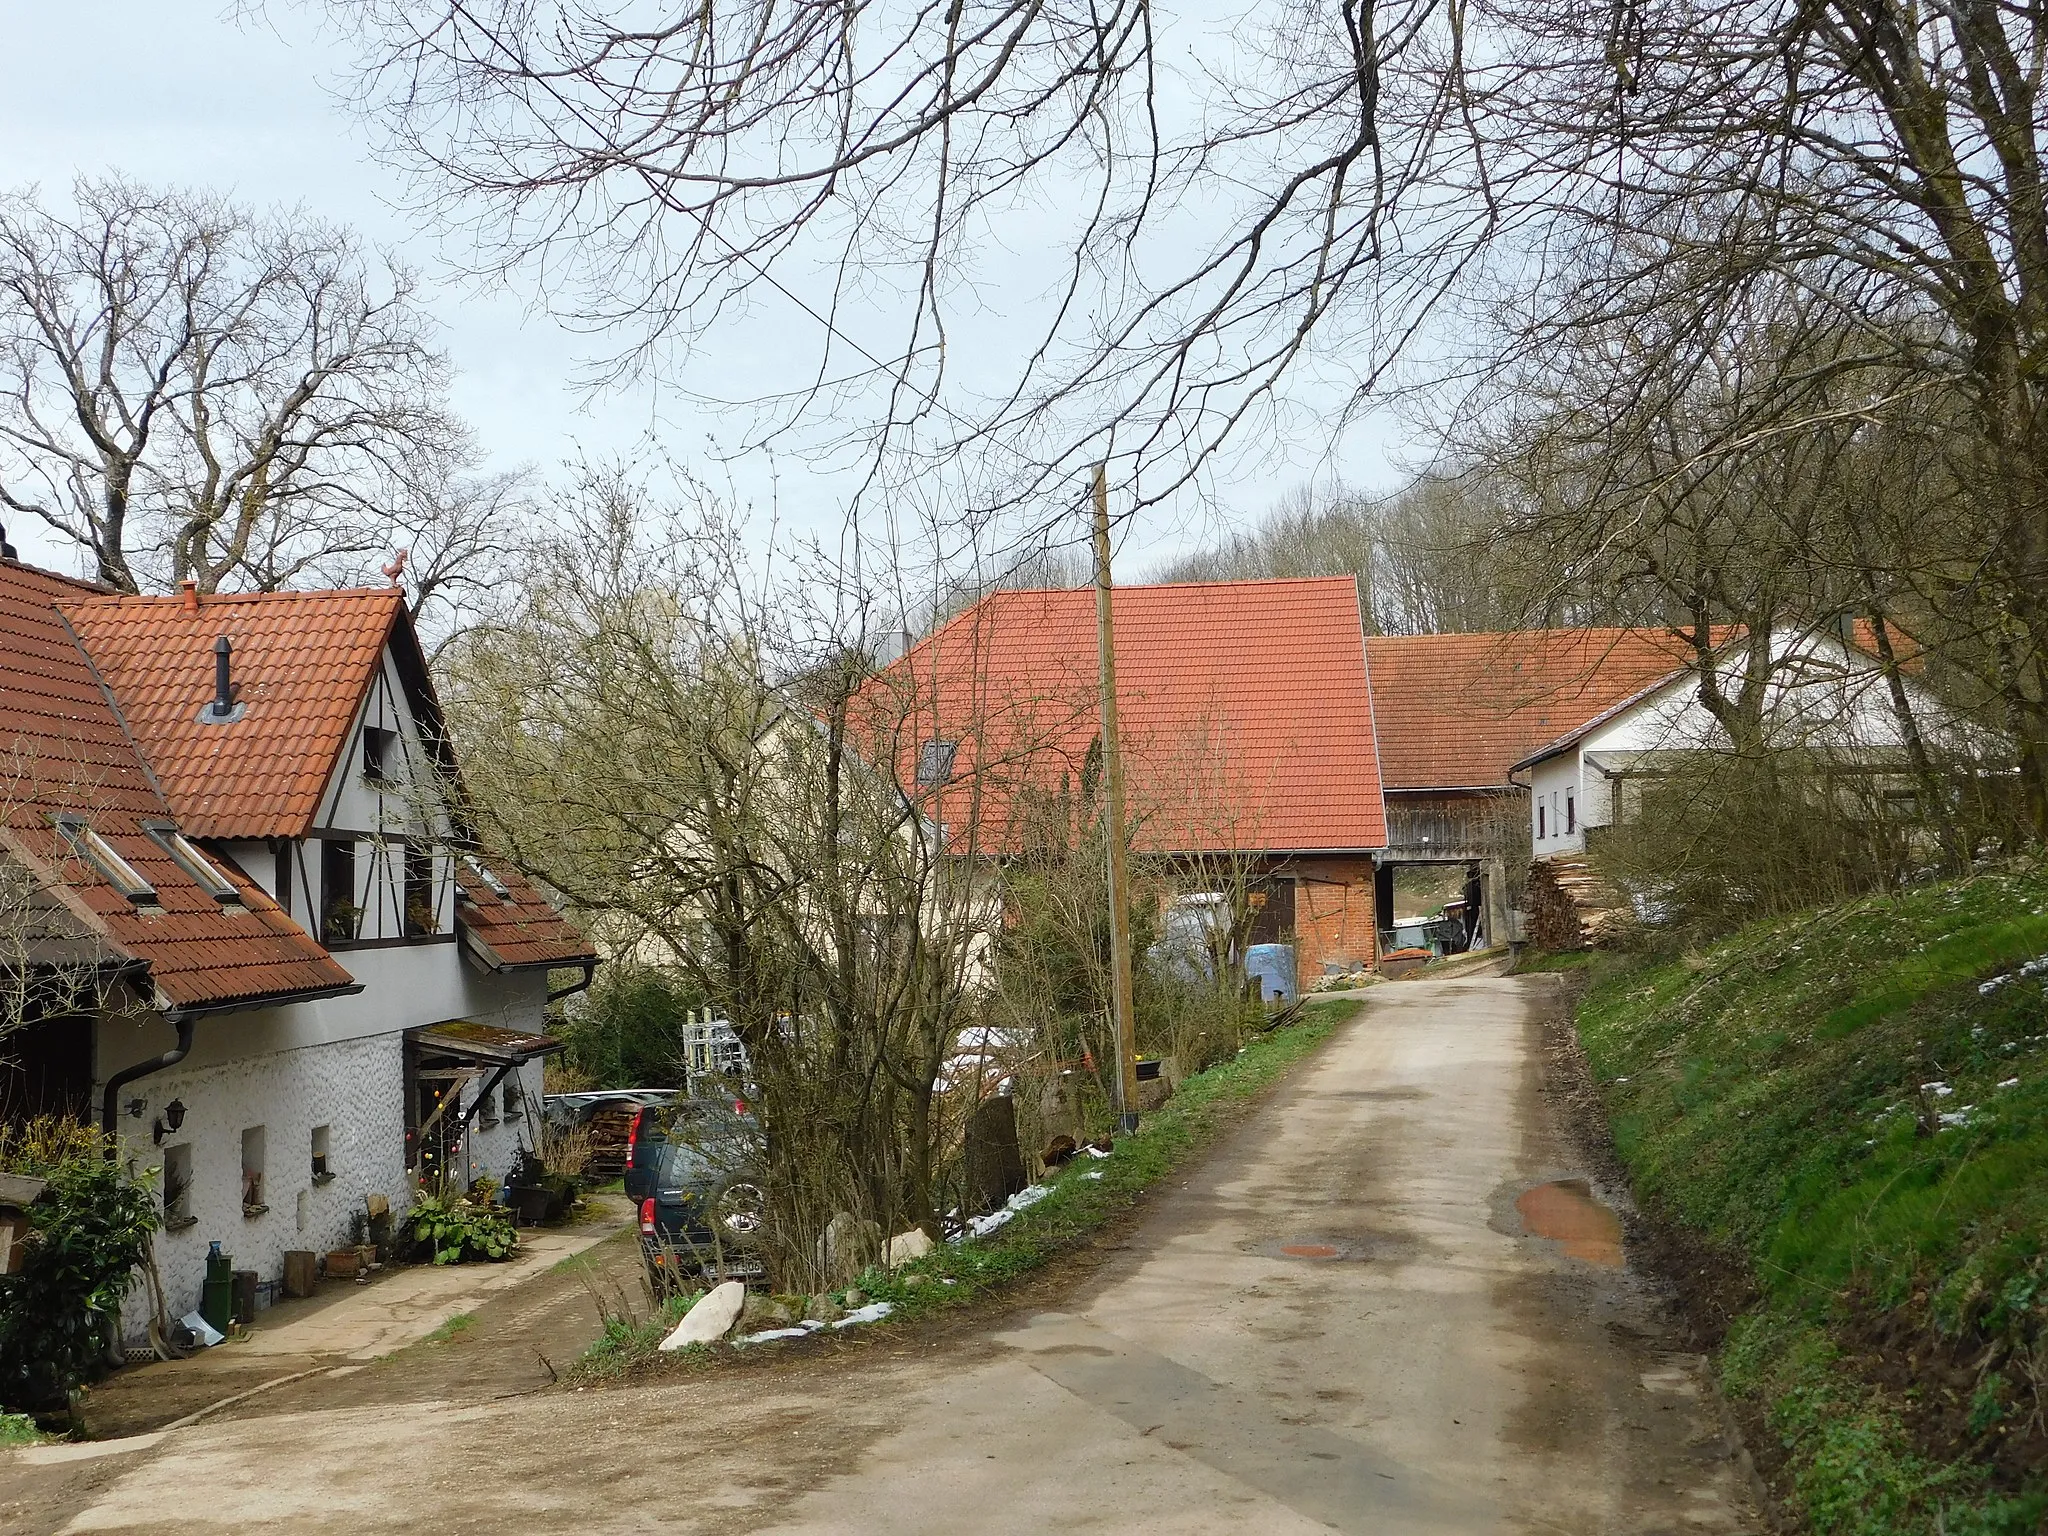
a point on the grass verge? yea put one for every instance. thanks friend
(19, 1429)
(1085, 1195)
(1847, 1111)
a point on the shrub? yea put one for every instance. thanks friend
(628, 1031)
(88, 1231)
(460, 1231)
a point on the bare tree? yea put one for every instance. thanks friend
(677, 749)
(1429, 559)
(191, 391)
(1482, 180)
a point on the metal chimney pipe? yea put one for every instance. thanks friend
(223, 685)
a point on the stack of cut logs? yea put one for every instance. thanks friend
(609, 1126)
(1571, 907)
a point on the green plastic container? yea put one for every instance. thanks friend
(217, 1300)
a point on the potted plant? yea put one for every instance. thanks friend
(527, 1191)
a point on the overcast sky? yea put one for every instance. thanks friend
(178, 93)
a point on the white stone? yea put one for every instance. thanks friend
(905, 1246)
(711, 1319)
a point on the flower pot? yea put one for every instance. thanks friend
(530, 1205)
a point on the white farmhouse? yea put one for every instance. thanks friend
(315, 989)
(1826, 692)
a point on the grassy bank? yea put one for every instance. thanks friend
(1086, 1194)
(1849, 1111)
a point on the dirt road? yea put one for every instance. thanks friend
(1336, 1322)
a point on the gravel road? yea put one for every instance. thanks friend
(1336, 1322)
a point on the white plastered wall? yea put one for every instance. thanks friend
(338, 1062)
(1554, 787)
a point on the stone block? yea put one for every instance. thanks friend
(711, 1319)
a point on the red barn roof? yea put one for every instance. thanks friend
(1457, 711)
(1246, 720)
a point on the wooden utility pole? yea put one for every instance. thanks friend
(1113, 818)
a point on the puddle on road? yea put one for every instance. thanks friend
(1566, 1212)
(1307, 1251)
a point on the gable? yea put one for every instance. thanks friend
(302, 663)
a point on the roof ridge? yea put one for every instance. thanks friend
(1169, 586)
(108, 599)
(88, 587)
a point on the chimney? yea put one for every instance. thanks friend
(7, 550)
(221, 709)
(188, 595)
(223, 684)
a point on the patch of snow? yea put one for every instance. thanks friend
(873, 1312)
(1029, 1196)
(2010, 1082)
(981, 1226)
(1939, 1090)
(1092, 1173)
(769, 1335)
(1958, 1118)
(1095, 1152)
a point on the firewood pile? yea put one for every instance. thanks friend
(609, 1125)
(1571, 907)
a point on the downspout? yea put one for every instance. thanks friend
(110, 1102)
(589, 971)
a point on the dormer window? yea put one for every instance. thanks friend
(209, 879)
(107, 864)
(482, 871)
(380, 748)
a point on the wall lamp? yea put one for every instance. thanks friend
(169, 1121)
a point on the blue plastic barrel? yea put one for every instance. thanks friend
(1272, 967)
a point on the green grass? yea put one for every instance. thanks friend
(19, 1429)
(1533, 962)
(957, 1274)
(1766, 1095)
(629, 1341)
(455, 1326)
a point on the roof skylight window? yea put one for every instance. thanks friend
(935, 761)
(107, 864)
(482, 871)
(192, 861)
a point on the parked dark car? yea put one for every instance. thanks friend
(675, 1118)
(702, 1209)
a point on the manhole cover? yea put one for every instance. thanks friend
(1308, 1250)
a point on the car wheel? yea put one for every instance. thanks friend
(740, 1210)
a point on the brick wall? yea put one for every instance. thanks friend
(1334, 923)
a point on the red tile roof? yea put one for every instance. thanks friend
(1457, 711)
(1246, 719)
(520, 933)
(64, 749)
(302, 662)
